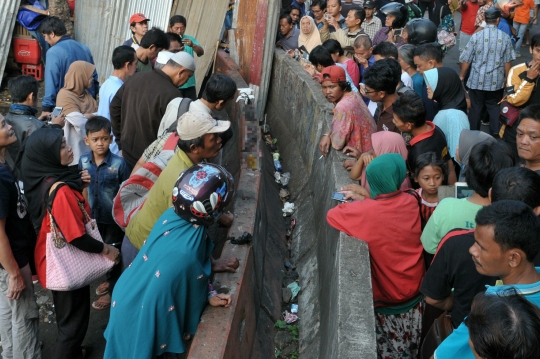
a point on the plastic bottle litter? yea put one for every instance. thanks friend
(277, 165)
(294, 308)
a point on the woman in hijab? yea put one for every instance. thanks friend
(74, 97)
(77, 105)
(389, 222)
(467, 140)
(383, 142)
(309, 35)
(170, 274)
(450, 96)
(48, 181)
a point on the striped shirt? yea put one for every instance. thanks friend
(426, 208)
(487, 52)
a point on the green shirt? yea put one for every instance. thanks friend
(451, 213)
(158, 201)
(143, 67)
(189, 50)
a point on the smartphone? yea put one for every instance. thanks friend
(397, 32)
(462, 190)
(57, 111)
(338, 196)
(327, 16)
(303, 49)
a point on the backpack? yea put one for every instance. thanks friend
(133, 192)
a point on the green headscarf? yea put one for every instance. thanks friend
(385, 174)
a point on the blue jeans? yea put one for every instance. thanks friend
(520, 28)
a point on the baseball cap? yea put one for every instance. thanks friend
(336, 74)
(369, 4)
(492, 14)
(184, 59)
(138, 17)
(193, 125)
(163, 57)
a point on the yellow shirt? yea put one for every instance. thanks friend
(158, 201)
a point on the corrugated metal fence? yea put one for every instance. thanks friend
(102, 25)
(8, 16)
(204, 22)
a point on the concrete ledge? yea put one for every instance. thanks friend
(230, 332)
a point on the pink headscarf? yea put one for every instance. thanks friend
(387, 142)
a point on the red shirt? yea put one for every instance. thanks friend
(468, 17)
(70, 222)
(390, 225)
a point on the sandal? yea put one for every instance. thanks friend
(102, 289)
(101, 303)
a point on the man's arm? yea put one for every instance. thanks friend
(507, 67)
(52, 84)
(464, 68)
(7, 260)
(445, 304)
(116, 115)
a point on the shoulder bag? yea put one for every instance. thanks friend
(69, 268)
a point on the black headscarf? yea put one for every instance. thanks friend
(41, 168)
(449, 93)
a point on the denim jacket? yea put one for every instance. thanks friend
(105, 183)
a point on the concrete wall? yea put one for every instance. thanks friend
(336, 308)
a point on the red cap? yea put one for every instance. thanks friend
(138, 17)
(333, 74)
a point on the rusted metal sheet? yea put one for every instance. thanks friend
(102, 25)
(204, 22)
(252, 44)
(261, 75)
(8, 16)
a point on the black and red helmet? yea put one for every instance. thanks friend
(202, 192)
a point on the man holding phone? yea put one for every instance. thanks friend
(178, 25)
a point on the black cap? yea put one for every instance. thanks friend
(492, 14)
(369, 4)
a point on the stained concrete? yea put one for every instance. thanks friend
(335, 305)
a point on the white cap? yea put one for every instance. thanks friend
(193, 125)
(163, 57)
(185, 60)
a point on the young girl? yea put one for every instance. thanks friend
(429, 174)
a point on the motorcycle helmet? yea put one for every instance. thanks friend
(202, 192)
(399, 11)
(421, 31)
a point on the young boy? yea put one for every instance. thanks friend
(107, 171)
(409, 117)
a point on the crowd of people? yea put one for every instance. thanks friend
(67, 177)
(409, 124)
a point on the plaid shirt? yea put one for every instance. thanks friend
(487, 52)
(371, 28)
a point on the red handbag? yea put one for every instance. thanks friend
(509, 114)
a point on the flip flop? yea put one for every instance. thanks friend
(101, 304)
(102, 289)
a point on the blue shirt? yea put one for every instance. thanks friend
(487, 52)
(59, 57)
(302, 7)
(106, 94)
(370, 62)
(105, 183)
(457, 344)
(505, 27)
